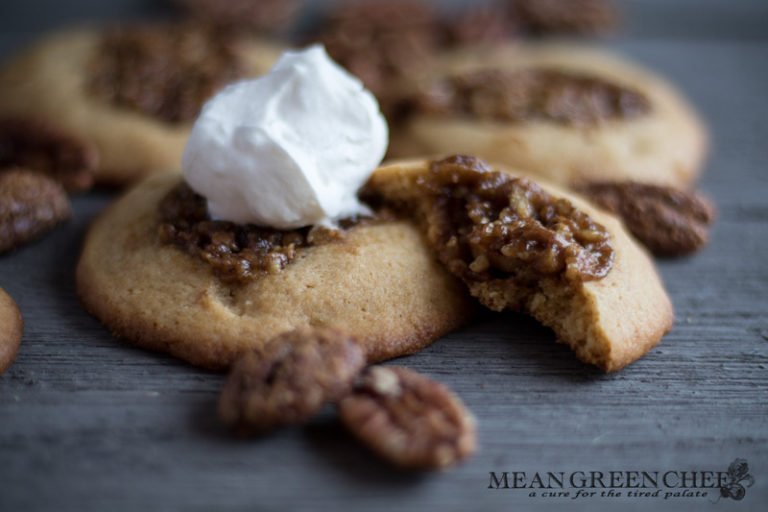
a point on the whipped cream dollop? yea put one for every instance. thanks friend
(289, 149)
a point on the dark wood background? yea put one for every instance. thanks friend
(89, 423)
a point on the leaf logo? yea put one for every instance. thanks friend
(739, 480)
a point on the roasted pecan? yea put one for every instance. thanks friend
(42, 147)
(409, 419)
(566, 16)
(668, 221)
(30, 204)
(289, 379)
(259, 15)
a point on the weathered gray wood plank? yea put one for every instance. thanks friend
(88, 423)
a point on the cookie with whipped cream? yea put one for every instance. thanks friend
(131, 91)
(265, 233)
(532, 247)
(569, 114)
(11, 326)
(206, 302)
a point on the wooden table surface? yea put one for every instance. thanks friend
(89, 423)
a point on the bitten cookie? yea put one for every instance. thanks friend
(568, 114)
(197, 299)
(535, 248)
(11, 326)
(132, 92)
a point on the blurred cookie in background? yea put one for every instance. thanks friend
(387, 42)
(262, 16)
(565, 17)
(130, 91)
(567, 113)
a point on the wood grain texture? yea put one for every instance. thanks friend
(88, 423)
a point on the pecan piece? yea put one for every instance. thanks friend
(41, 147)
(30, 205)
(409, 419)
(668, 221)
(288, 380)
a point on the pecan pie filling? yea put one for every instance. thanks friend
(237, 252)
(532, 94)
(167, 72)
(487, 226)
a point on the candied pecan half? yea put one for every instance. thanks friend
(487, 225)
(166, 71)
(39, 146)
(289, 379)
(668, 221)
(531, 94)
(259, 15)
(566, 16)
(408, 419)
(30, 204)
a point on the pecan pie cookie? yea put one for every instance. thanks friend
(158, 272)
(10, 330)
(535, 248)
(132, 91)
(568, 114)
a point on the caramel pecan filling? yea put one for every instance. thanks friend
(532, 94)
(165, 71)
(488, 225)
(235, 252)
